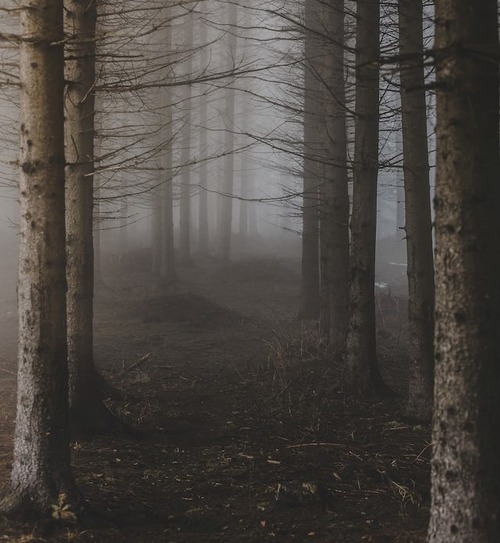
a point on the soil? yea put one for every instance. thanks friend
(248, 435)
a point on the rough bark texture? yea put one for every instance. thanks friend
(41, 466)
(88, 412)
(418, 212)
(310, 295)
(362, 372)
(466, 433)
(335, 197)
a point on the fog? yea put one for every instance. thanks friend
(217, 118)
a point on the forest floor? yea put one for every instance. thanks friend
(248, 435)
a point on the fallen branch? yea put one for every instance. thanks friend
(135, 365)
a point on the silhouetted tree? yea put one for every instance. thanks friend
(310, 290)
(362, 371)
(334, 195)
(418, 212)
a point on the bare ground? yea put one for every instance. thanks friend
(248, 435)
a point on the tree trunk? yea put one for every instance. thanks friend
(88, 412)
(203, 228)
(466, 433)
(418, 212)
(335, 197)
(185, 201)
(362, 371)
(168, 271)
(310, 298)
(225, 200)
(41, 473)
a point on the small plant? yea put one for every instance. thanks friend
(62, 510)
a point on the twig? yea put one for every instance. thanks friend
(135, 365)
(315, 444)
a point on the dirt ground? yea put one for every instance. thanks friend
(248, 435)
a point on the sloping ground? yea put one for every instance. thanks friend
(247, 434)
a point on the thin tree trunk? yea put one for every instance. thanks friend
(41, 472)
(362, 371)
(310, 289)
(225, 208)
(335, 197)
(185, 201)
(203, 228)
(168, 269)
(466, 433)
(418, 212)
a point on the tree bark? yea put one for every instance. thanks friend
(418, 212)
(466, 431)
(335, 197)
(87, 409)
(362, 371)
(41, 473)
(310, 287)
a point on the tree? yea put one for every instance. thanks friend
(466, 431)
(335, 197)
(203, 227)
(417, 211)
(41, 473)
(88, 412)
(186, 133)
(225, 200)
(310, 301)
(362, 370)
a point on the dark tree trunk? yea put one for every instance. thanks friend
(362, 371)
(335, 197)
(310, 289)
(418, 212)
(466, 434)
(87, 409)
(41, 472)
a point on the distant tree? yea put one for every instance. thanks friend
(418, 212)
(362, 370)
(203, 225)
(186, 142)
(168, 264)
(41, 474)
(466, 432)
(310, 290)
(225, 200)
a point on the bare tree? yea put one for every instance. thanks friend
(466, 431)
(41, 473)
(310, 303)
(335, 197)
(418, 212)
(362, 371)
